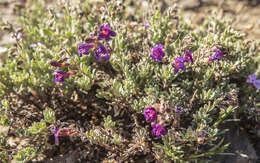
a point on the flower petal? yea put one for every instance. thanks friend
(113, 33)
(256, 83)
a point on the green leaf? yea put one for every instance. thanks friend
(49, 116)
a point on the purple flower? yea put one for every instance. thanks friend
(60, 76)
(106, 33)
(178, 64)
(83, 48)
(158, 130)
(24, 1)
(56, 135)
(91, 35)
(178, 109)
(21, 35)
(217, 55)
(81, 14)
(188, 57)
(257, 84)
(150, 114)
(157, 52)
(146, 26)
(251, 78)
(102, 53)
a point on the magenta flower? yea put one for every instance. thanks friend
(158, 130)
(56, 135)
(60, 76)
(157, 52)
(150, 114)
(102, 53)
(83, 48)
(63, 132)
(106, 33)
(188, 57)
(178, 64)
(217, 55)
(146, 26)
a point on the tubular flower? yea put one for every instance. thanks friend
(188, 57)
(83, 48)
(178, 64)
(56, 135)
(106, 33)
(158, 130)
(158, 53)
(217, 55)
(150, 114)
(102, 53)
(60, 76)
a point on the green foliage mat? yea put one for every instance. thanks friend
(98, 109)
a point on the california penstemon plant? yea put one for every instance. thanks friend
(87, 75)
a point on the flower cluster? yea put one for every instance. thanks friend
(252, 80)
(158, 53)
(178, 63)
(150, 114)
(100, 50)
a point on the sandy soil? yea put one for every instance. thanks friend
(246, 14)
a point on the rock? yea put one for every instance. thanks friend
(190, 3)
(258, 133)
(239, 145)
(67, 158)
(4, 130)
(3, 49)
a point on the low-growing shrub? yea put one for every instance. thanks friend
(90, 77)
